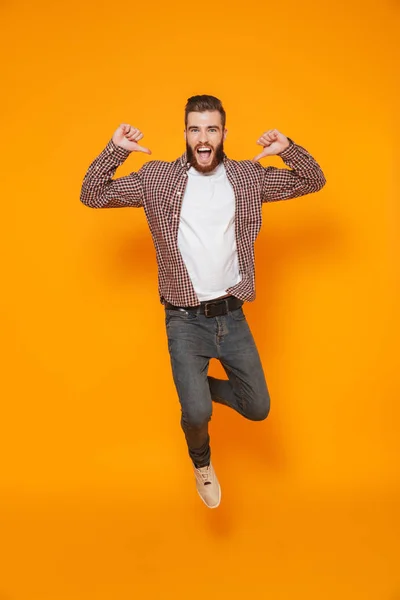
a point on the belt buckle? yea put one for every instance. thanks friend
(206, 308)
(221, 305)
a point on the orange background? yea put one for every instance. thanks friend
(97, 495)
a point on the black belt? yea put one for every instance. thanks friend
(210, 308)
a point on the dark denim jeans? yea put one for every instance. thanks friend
(192, 340)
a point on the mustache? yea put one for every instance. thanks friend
(218, 156)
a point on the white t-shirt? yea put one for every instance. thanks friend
(206, 236)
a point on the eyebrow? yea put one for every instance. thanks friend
(208, 127)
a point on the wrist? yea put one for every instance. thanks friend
(289, 145)
(117, 150)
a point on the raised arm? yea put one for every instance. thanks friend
(305, 176)
(99, 190)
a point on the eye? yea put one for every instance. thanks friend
(212, 129)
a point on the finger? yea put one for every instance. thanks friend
(125, 127)
(258, 157)
(143, 149)
(138, 136)
(262, 141)
(134, 138)
(131, 133)
(272, 136)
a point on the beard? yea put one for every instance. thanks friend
(218, 157)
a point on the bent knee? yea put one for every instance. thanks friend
(196, 419)
(260, 410)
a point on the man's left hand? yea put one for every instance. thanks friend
(273, 142)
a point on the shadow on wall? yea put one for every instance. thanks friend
(232, 436)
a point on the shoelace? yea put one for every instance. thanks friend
(205, 474)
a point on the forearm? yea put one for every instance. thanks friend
(304, 177)
(304, 165)
(99, 190)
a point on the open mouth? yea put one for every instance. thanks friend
(203, 154)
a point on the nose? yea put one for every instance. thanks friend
(204, 137)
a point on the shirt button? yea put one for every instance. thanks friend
(179, 193)
(175, 216)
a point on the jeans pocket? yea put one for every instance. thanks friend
(179, 316)
(238, 314)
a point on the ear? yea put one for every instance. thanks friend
(184, 133)
(225, 134)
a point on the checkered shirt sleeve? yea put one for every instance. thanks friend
(304, 177)
(99, 190)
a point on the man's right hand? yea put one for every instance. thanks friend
(127, 137)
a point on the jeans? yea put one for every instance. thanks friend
(194, 339)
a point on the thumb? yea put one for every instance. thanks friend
(143, 149)
(259, 156)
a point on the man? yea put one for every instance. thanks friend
(204, 214)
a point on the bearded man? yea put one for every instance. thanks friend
(204, 214)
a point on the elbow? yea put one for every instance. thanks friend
(88, 203)
(320, 183)
(87, 199)
(312, 186)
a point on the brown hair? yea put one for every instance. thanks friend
(204, 103)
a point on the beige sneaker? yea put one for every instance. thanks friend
(208, 486)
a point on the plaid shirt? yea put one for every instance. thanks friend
(159, 187)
